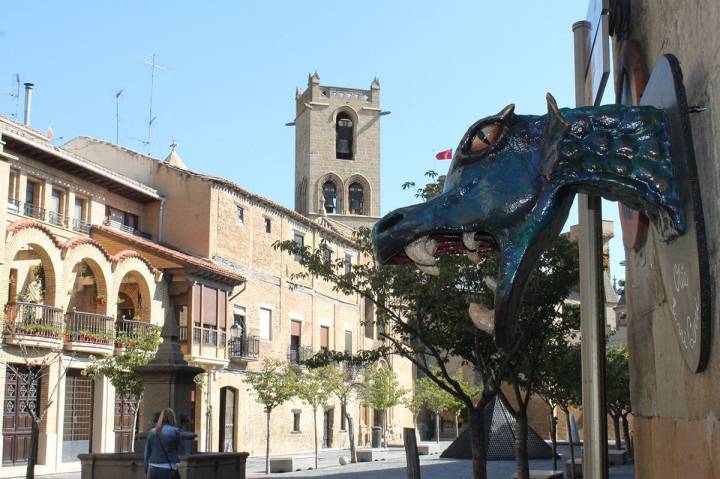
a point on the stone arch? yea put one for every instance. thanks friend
(97, 260)
(339, 188)
(353, 116)
(30, 236)
(367, 192)
(138, 270)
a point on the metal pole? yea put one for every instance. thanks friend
(592, 304)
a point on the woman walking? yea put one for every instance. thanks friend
(163, 447)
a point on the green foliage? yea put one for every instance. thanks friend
(431, 189)
(38, 329)
(561, 382)
(120, 367)
(431, 396)
(316, 386)
(617, 381)
(274, 384)
(381, 389)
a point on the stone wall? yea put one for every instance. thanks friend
(677, 433)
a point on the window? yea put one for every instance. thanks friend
(57, 207)
(369, 319)
(324, 337)
(268, 225)
(118, 217)
(344, 137)
(265, 324)
(348, 342)
(296, 420)
(330, 196)
(327, 254)
(240, 214)
(348, 263)
(238, 321)
(355, 197)
(299, 238)
(32, 192)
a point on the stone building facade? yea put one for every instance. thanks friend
(337, 152)
(676, 431)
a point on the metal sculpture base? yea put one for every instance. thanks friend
(684, 260)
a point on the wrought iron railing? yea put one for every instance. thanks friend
(57, 219)
(209, 337)
(13, 205)
(130, 332)
(34, 211)
(247, 347)
(298, 354)
(80, 226)
(127, 229)
(34, 319)
(92, 328)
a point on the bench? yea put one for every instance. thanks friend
(578, 467)
(291, 463)
(370, 455)
(540, 474)
(428, 448)
(617, 457)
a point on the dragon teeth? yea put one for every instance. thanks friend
(474, 257)
(482, 317)
(422, 251)
(431, 270)
(490, 283)
(469, 241)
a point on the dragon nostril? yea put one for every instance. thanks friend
(389, 222)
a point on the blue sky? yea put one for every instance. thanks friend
(232, 70)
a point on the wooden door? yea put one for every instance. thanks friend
(328, 428)
(124, 416)
(20, 398)
(227, 419)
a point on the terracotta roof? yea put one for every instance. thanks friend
(239, 189)
(201, 264)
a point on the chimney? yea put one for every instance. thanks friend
(28, 103)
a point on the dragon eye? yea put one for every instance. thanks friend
(485, 137)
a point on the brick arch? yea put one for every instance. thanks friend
(24, 234)
(367, 191)
(99, 263)
(145, 277)
(339, 188)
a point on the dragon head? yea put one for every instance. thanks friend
(511, 184)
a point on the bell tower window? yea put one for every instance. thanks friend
(330, 195)
(355, 196)
(344, 137)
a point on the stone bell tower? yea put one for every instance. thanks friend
(337, 153)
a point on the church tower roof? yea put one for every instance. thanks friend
(174, 159)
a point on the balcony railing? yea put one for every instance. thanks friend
(244, 347)
(129, 332)
(57, 219)
(34, 320)
(13, 205)
(80, 226)
(298, 354)
(34, 211)
(183, 334)
(209, 337)
(89, 328)
(127, 229)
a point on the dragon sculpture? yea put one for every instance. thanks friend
(511, 184)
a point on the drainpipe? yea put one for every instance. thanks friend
(162, 215)
(28, 103)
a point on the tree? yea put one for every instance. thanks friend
(120, 368)
(561, 385)
(315, 387)
(381, 390)
(344, 384)
(434, 399)
(274, 384)
(617, 391)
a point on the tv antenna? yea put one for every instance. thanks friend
(117, 116)
(16, 95)
(153, 66)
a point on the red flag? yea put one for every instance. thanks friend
(445, 155)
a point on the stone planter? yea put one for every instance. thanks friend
(129, 465)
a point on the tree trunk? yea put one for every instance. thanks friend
(437, 427)
(457, 428)
(626, 434)
(572, 445)
(385, 416)
(521, 435)
(351, 435)
(133, 427)
(616, 428)
(315, 434)
(267, 443)
(32, 459)
(477, 441)
(553, 437)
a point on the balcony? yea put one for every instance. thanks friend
(244, 348)
(297, 355)
(34, 211)
(89, 333)
(130, 333)
(34, 325)
(80, 226)
(13, 205)
(127, 229)
(58, 219)
(204, 345)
